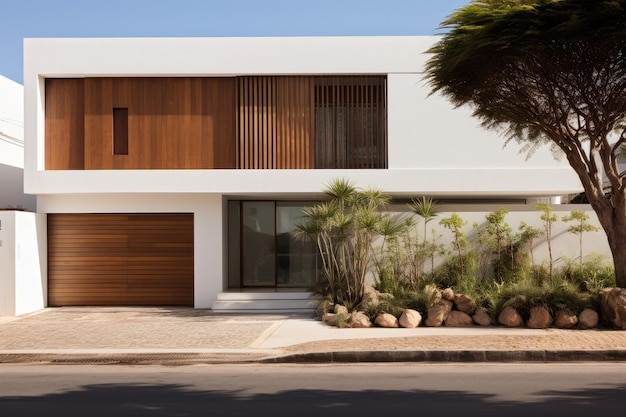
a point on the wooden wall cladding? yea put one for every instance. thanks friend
(173, 123)
(64, 126)
(276, 123)
(120, 259)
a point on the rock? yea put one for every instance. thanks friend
(322, 308)
(370, 297)
(359, 320)
(458, 318)
(410, 319)
(438, 312)
(588, 319)
(464, 303)
(540, 318)
(613, 307)
(386, 320)
(330, 318)
(565, 320)
(339, 309)
(482, 317)
(510, 317)
(447, 294)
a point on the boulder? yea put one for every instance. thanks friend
(447, 294)
(359, 320)
(438, 312)
(370, 297)
(540, 318)
(510, 317)
(339, 309)
(482, 317)
(613, 307)
(458, 318)
(323, 307)
(464, 303)
(588, 319)
(330, 318)
(386, 320)
(565, 320)
(410, 319)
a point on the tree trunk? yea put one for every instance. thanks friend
(613, 221)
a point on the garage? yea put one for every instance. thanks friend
(120, 259)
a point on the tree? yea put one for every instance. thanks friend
(427, 209)
(580, 226)
(454, 223)
(497, 237)
(547, 71)
(548, 218)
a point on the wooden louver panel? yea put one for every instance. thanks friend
(120, 259)
(275, 123)
(351, 122)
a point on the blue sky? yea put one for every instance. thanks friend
(158, 18)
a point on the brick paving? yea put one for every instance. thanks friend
(120, 328)
(131, 328)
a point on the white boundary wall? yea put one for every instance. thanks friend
(23, 263)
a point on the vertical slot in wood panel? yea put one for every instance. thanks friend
(120, 131)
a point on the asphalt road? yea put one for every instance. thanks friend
(572, 389)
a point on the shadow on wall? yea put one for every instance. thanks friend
(12, 195)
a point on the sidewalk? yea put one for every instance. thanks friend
(183, 335)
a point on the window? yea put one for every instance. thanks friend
(350, 122)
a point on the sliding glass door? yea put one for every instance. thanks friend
(263, 250)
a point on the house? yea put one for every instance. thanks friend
(18, 231)
(171, 170)
(12, 148)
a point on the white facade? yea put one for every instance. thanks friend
(433, 149)
(12, 148)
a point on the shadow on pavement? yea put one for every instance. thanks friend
(139, 400)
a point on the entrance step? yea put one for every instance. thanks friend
(264, 302)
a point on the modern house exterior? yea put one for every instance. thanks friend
(172, 170)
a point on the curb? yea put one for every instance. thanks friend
(452, 356)
(156, 358)
(189, 358)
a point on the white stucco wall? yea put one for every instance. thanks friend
(23, 263)
(565, 245)
(12, 147)
(11, 122)
(207, 210)
(433, 148)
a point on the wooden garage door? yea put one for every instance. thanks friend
(120, 259)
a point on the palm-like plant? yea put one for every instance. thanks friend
(344, 229)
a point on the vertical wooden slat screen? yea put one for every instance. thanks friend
(351, 122)
(275, 123)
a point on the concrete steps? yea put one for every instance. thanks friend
(264, 302)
